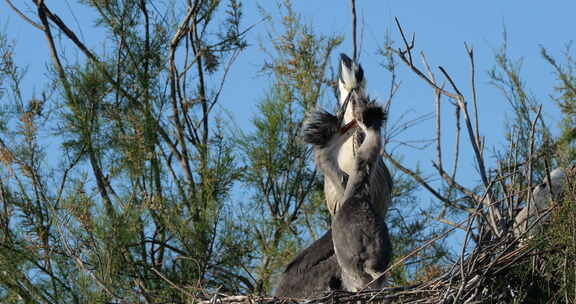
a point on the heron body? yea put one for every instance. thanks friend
(314, 271)
(525, 222)
(360, 235)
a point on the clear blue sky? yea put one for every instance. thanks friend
(441, 29)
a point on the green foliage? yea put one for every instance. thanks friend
(527, 135)
(566, 98)
(137, 205)
(557, 245)
(287, 191)
(547, 275)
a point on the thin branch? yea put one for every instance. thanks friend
(456, 143)
(174, 285)
(354, 45)
(454, 184)
(530, 163)
(410, 46)
(462, 104)
(66, 172)
(421, 181)
(470, 52)
(181, 32)
(408, 61)
(15, 9)
(437, 98)
(67, 31)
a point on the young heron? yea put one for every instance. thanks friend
(316, 269)
(351, 85)
(360, 235)
(528, 222)
(357, 250)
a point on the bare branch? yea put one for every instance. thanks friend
(451, 81)
(470, 52)
(15, 9)
(529, 200)
(437, 98)
(354, 45)
(408, 61)
(409, 46)
(65, 29)
(462, 104)
(181, 32)
(421, 181)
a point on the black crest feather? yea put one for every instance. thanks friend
(373, 116)
(320, 128)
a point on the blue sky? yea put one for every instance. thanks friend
(441, 27)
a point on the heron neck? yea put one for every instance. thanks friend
(346, 152)
(348, 115)
(363, 163)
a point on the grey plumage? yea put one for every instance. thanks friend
(526, 223)
(323, 132)
(361, 241)
(360, 235)
(314, 271)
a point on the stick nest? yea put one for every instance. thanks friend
(478, 278)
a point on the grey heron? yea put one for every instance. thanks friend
(315, 269)
(359, 236)
(525, 222)
(352, 83)
(361, 241)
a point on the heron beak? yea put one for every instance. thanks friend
(348, 126)
(351, 73)
(342, 109)
(345, 61)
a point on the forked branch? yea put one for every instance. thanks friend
(456, 95)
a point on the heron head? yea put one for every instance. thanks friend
(351, 75)
(351, 84)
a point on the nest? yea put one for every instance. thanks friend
(478, 278)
